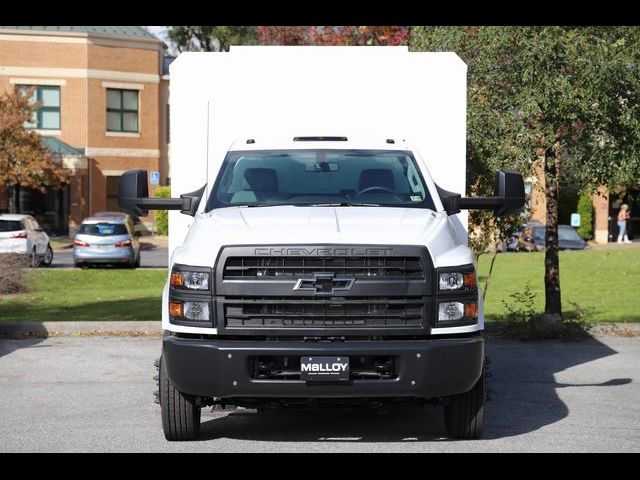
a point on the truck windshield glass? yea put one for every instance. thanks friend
(320, 178)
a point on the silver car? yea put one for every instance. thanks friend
(106, 240)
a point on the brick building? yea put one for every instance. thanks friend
(104, 94)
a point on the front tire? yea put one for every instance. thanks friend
(47, 258)
(180, 414)
(463, 416)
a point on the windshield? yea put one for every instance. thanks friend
(102, 229)
(319, 177)
(568, 233)
(10, 226)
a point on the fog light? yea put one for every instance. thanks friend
(196, 311)
(450, 311)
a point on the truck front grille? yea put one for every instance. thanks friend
(313, 312)
(267, 267)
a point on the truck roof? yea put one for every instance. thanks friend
(312, 142)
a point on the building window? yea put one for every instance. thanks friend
(47, 117)
(122, 110)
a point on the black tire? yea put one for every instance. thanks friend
(463, 416)
(180, 414)
(47, 258)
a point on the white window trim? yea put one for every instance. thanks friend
(123, 86)
(124, 134)
(44, 131)
(38, 81)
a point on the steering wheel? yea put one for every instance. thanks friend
(380, 189)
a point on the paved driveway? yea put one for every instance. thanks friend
(95, 394)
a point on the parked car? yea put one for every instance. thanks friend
(107, 240)
(512, 242)
(137, 223)
(532, 239)
(21, 234)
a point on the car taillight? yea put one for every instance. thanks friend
(20, 235)
(80, 243)
(125, 243)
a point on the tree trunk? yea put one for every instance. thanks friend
(551, 260)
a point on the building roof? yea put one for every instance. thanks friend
(55, 145)
(166, 61)
(127, 31)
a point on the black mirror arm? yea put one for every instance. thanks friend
(160, 203)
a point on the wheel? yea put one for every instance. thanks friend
(47, 258)
(180, 414)
(463, 416)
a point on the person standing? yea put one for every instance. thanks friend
(623, 216)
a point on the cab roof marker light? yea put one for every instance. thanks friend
(320, 139)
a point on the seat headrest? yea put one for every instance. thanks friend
(377, 177)
(262, 179)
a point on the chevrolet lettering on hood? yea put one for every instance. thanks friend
(322, 252)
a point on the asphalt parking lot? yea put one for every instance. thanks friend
(89, 394)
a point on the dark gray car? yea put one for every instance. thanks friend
(106, 240)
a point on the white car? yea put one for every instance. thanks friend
(23, 235)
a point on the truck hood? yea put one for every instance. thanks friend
(290, 225)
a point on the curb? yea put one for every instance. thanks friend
(52, 329)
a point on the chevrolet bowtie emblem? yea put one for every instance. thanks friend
(324, 283)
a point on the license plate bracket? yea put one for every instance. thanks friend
(324, 369)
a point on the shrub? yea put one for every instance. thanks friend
(585, 209)
(162, 216)
(12, 273)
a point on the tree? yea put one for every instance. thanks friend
(210, 39)
(338, 35)
(24, 160)
(563, 98)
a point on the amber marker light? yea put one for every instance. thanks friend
(175, 309)
(471, 310)
(470, 279)
(177, 279)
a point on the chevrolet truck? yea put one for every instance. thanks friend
(323, 267)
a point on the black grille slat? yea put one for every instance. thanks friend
(339, 312)
(265, 267)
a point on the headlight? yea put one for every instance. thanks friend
(457, 280)
(190, 280)
(457, 311)
(198, 311)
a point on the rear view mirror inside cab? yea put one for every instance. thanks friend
(321, 167)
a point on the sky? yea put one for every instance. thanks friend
(161, 33)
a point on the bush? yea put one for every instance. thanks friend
(12, 273)
(162, 216)
(522, 321)
(585, 209)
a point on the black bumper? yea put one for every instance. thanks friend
(425, 368)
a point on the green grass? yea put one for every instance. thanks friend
(604, 281)
(100, 294)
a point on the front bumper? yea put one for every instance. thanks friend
(425, 368)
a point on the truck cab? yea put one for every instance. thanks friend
(320, 271)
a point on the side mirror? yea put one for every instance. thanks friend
(133, 197)
(508, 188)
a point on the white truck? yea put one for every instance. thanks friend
(324, 265)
